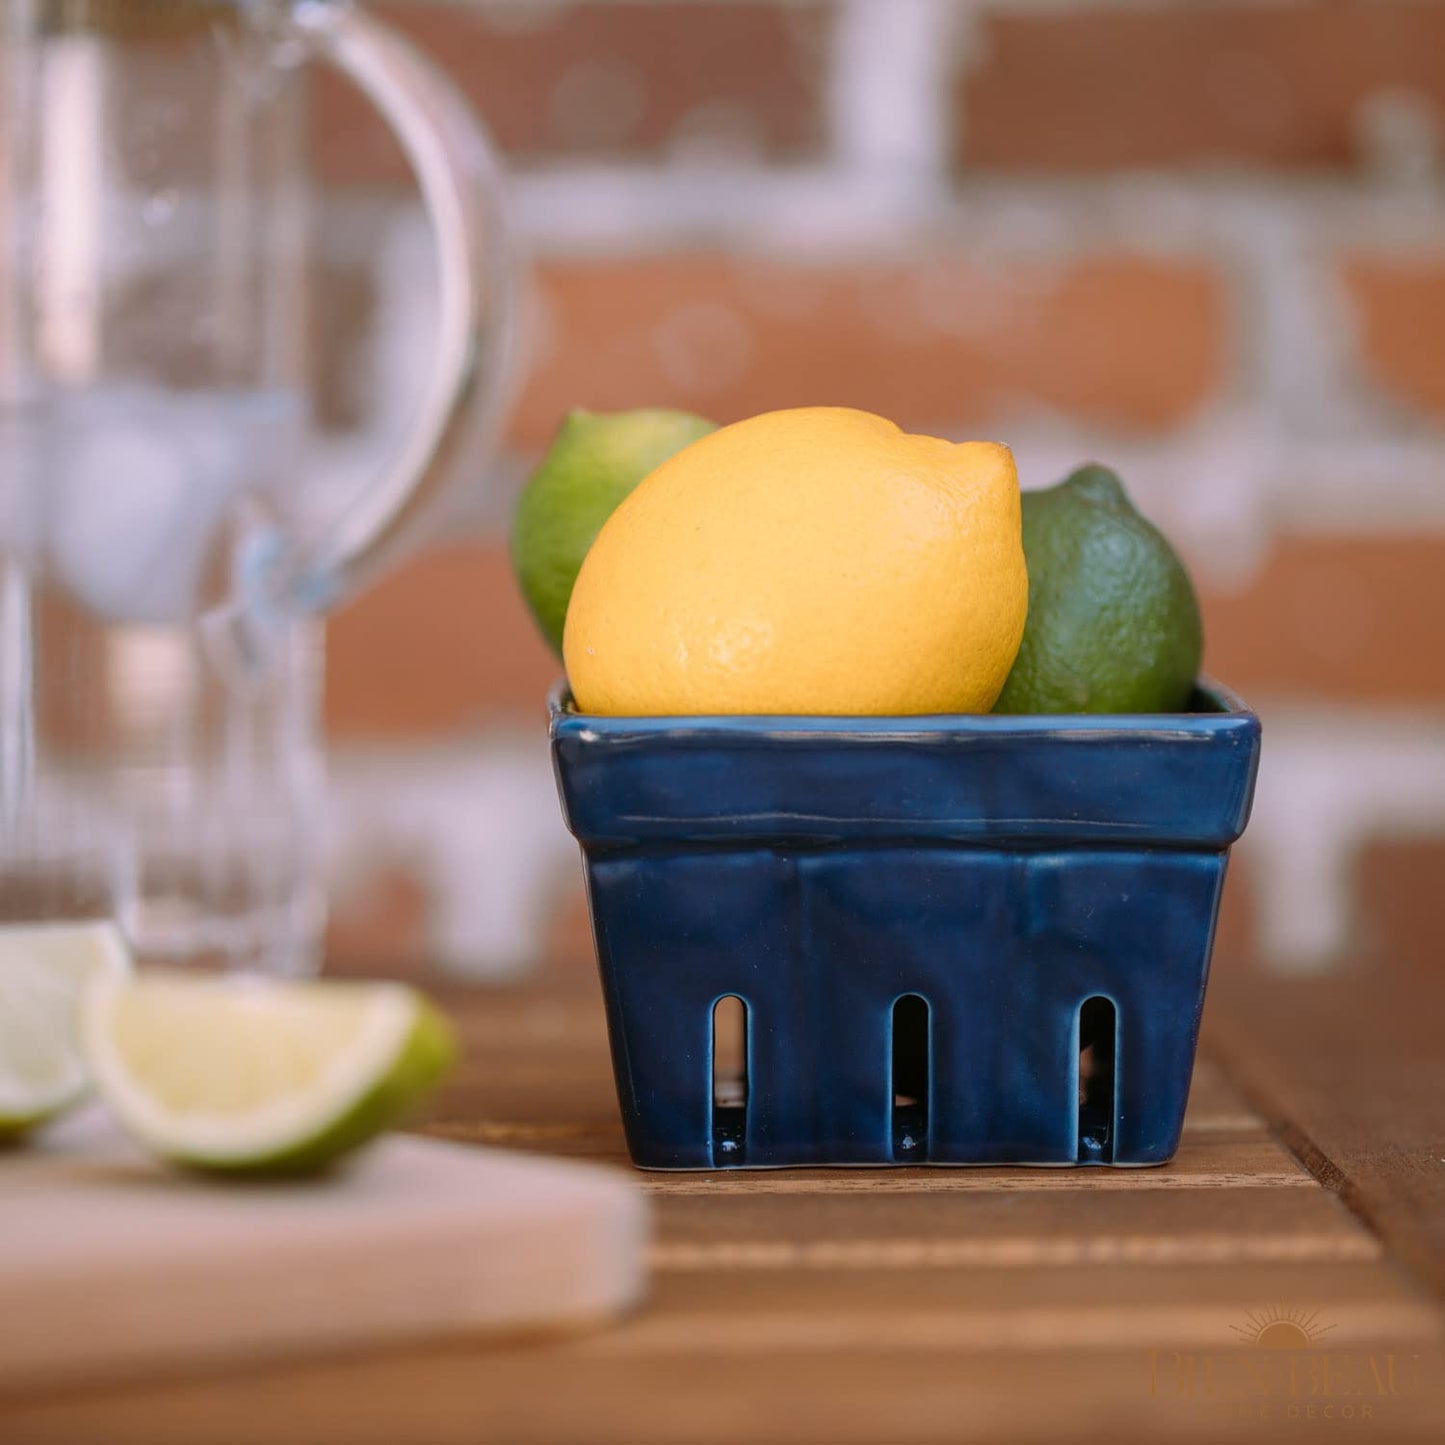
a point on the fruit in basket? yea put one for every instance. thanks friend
(260, 1076)
(817, 560)
(1113, 624)
(594, 461)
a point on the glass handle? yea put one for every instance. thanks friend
(460, 183)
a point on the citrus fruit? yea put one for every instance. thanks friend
(260, 1076)
(817, 560)
(594, 461)
(44, 968)
(1113, 624)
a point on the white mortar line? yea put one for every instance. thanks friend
(1333, 779)
(583, 211)
(1297, 438)
(889, 89)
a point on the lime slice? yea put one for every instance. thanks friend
(260, 1076)
(44, 968)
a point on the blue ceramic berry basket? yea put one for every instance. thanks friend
(958, 940)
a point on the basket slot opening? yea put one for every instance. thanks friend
(729, 1079)
(1097, 1035)
(910, 1079)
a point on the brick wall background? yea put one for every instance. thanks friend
(1202, 241)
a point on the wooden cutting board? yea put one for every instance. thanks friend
(111, 1263)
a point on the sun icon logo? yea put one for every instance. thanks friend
(1280, 1329)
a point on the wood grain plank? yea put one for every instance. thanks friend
(850, 1306)
(915, 1252)
(1359, 1297)
(1350, 1070)
(948, 1333)
(1216, 1105)
(538, 1119)
(1343, 1289)
(1184, 1214)
(458, 1395)
(1005, 1230)
(1233, 1163)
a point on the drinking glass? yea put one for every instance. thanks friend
(162, 563)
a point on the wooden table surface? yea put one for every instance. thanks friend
(931, 1305)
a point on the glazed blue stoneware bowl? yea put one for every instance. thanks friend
(958, 940)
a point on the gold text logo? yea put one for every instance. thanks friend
(1284, 1369)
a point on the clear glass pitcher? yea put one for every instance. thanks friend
(161, 568)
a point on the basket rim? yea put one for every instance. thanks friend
(1227, 712)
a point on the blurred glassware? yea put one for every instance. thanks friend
(161, 570)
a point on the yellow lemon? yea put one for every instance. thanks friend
(817, 560)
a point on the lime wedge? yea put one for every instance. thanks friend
(260, 1076)
(44, 969)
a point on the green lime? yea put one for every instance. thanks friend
(594, 461)
(1113, 624)
(250, 1076)
(44, 971)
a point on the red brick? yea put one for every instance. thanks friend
(381, 929)
(1344, 618)
(627, 79)
(1235, 934)
(1169, 84)
(1398, 883)
(446, 642)
(438, 646)
(1122, 341)
(1394, 888)
(1400, 305)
